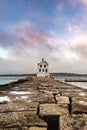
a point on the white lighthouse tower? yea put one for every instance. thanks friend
(43, 69)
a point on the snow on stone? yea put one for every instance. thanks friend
(24, 97)
(21, 109)
(4, 99)
(19, 92)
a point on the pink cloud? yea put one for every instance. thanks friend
(75, 2)
(32, 36)
(27, 37)
(80, 47)
(84, 2)
(78, 40)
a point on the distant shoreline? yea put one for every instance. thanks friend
(53, 74)
(67, 74)
(17, 74)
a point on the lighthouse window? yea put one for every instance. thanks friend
(40, 65)
(39, 70)
(44, 65)
(43, 70)
(46, 70)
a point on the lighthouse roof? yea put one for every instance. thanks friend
(42, 62)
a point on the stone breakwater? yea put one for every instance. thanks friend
(42, 104)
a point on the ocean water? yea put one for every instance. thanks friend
(8, 79)
(79, 84)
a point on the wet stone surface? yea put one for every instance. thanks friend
(42, 104)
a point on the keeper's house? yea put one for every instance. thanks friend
(43, 69)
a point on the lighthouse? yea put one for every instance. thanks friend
(43, 69)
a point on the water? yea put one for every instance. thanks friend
(8, 79)
(79, 84)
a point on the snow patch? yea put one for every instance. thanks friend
(19, 92)
(4, 99)
(24, 97)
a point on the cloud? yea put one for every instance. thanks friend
(80, 46)
(44, 34)
(25, 37)
(35, 37)
(84, 2)
(44, 43)
(78, 40)
(76, 2)
(30, 44)
(31, 36)
(73, 29)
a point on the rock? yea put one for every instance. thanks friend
(79, 105)
(37, 128)
(19, 119)
(62, 99)
(65, 122)
(76, 92)
(11, 129)
(58, 95)
(19, 128)
(53, 109)
(85, 118)
(72, 122)
(42, 97)
(19, 106)
(25, 128)
(45, 106)
(49, 92)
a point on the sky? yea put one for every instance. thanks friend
(55, 30)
